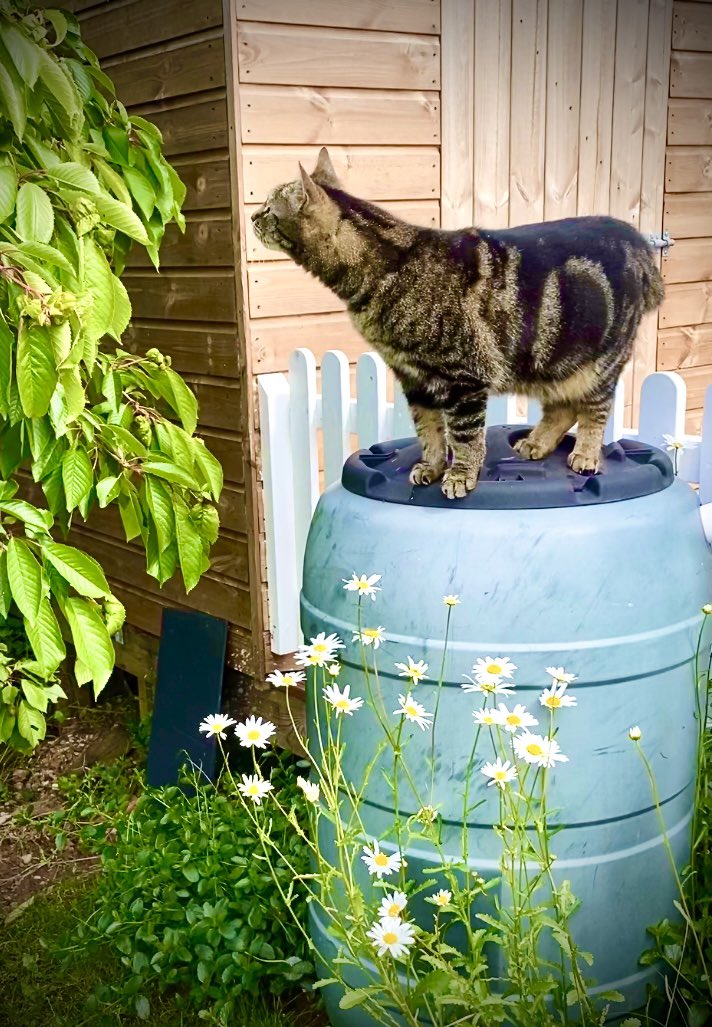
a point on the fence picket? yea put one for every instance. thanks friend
(501, 410)
(706, 450)
(302, 434)
(615, 423)
(662, 407)
(371, 398)
(403, 427)
(336, 387)
(534, 411)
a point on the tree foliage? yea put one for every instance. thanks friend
(81, 181)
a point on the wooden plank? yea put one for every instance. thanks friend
(277, 289)
(183, 295)
(690, 122)
(689, 260)
(227, 447)
(691, 75)
(176, 70)
(394, 16)
(688, 169)
(206, 242)
(114, 28)
(528, 111)
(457, 98)
(563, 87)
(596, 118)
(696, 379)
(275, 338)
(493, 59)
(191, 128)
(418, 212)
(687, 304)
(685, 347)
(232, 509)
(376, 173)
(207, 182)
(219, 401)
(298, 56)
(655, 130)
(692, 26)
(206, 349)
(628, 110)
(295, 114)
(686, 215)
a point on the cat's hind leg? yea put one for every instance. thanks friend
(543, 439)
(430, 427)
(465, 422)
(592, 415)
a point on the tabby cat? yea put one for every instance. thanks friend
(548, 310)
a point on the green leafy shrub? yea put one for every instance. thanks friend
(187, 897)
(81, 181)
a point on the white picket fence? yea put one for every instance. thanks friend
(292, 412)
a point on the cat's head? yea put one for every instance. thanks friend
(300, 212)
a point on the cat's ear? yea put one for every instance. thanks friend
(312, 192)
(324, 170)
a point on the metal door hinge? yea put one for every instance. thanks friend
(661, 242)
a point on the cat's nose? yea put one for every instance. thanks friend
(257, 214)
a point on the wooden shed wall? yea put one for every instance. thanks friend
(167, 60)
(685, 338)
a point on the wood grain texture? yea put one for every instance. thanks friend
(596, 117)
(687, 215)
(457, 99)
(192, 127)
(687, 304)
(219, 400)
(207, 182)
(193, 348)
(686, 346)
(205, 243)
(692, 26)
(688, 169)
(528, 111)
(563, 86)
(689, 260)
(417, 212)
(655, 130)
(394, 16)
(233, 509)
(697, 380)
(295, 114)
(690, 123)
(279, 289)
(275, 338)
(691, 75)
(493, 60)
(115, 28)
(295, 55)
(378, 173)
(177, 70)
(181, 295)
(228, 449)
(628, 110)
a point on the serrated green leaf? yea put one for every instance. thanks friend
(107, 490)
(118, 215)
(7, 723)
(30, 723)
(124, 440)
(8, 191)
(91, 640)
(169, 471)
(82, 571)
(161, 565)
(207, 523)
(13, 99)
(131, 513)
(190, 545)
(58, 23)
(117, 142)
(62, 88)
(112, 181)
(111, 309)
(34, 220)
(26, 55)
(141, 190)
(7, 343)
(42, 252)
(74, 395)
(160, 504)
(77, 477)
(36, 371)
(74, 175)
(111, 387)
(41, 520)
(351, 999)
(5, 590)
(209, 466)
(25, 577)
(184, 402)
(46, 641)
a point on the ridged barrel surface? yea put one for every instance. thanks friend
(613, 593)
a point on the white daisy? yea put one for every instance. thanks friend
(216, 724)
(364, 584)
(486, 687)
(380, 863)
(413, 711)
(280, 680)
(451, 600)
(492, 669)
(441, 898)
(519, 717)
(555, 697)
(310, 789)
(334, 669)
(539, 750)
(671, 443)
(560, 676)
(487, 716)
(707, 609)
(414, 671)
(369, 636)
(393, 904)
(392, 935)
(499, 773)
(341, 700)
(255, 731)
(254, 787)
(635, 734)
(320, 651)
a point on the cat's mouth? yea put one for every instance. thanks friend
(268, 233)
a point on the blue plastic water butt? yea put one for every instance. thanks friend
(604, 576)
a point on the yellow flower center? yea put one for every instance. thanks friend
(487, 719)
(342, 704)
(411, 709)
(500, 775)
(216, 728)
(393, 909)
(441, 900)
(380, 859)
(553, 702)
(253, 790)
(494, 668)
(534, 749)
(513, 718)
(389, 938)
(253, 734)
(371, 632)
(319, 647)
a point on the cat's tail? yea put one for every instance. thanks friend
(652, 285)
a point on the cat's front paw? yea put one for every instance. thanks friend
(584, 461)
(458, 481)
(533, 448)
(425, 474)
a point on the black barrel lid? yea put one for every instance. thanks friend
(628, 469)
